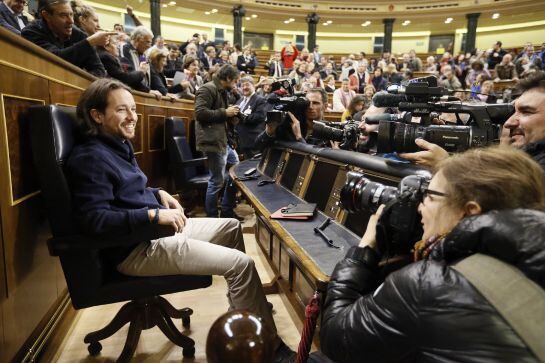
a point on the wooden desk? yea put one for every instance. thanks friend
(302, 261)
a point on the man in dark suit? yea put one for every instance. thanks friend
(207, 60)
(276, 68)
(11, 15)
(246, 62)
(56, 33)
(252, 115)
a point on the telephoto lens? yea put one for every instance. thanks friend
(400, 137)
(361, 194)
(323, 132)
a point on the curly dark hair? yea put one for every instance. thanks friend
(227, 73)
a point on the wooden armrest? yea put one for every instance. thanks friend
(65, 244)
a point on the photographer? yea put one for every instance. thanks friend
(296, 130)
(526, 128)
(428, 311)
(212, 112)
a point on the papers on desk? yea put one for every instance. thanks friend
(299, 211)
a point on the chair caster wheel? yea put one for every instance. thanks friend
(188, 352)
(94, 348)
(186, 322)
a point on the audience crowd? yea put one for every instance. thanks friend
(71, 29)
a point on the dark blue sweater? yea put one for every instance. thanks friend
(108, 188)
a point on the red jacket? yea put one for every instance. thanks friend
(288, 59)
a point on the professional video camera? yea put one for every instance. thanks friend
(399, 226)
(347, 133)
(424, 99)
(284, 100)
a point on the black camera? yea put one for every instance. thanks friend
(399, 226)
(483, 128)
(423, 98)
(347, 133)
(296, 104)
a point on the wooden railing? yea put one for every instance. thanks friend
(33, 295)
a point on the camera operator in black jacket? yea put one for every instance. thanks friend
(428, 311)
(525, 129)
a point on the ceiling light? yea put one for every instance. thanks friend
(165, 5)
(206, 12)
(495, 15)
(286, 21)
(448, 21)
(214, 11)
(291, 19)
(172, 3)
(325, 24)
(247, 18)
(329, 21)
(254, 16)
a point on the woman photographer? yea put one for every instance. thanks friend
(488, 201)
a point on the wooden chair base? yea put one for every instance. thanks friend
(141, 315)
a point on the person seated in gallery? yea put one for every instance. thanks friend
(12, 17)
(133, 55)
(246, 62)
(158, 81)
(190, 80)
(56, 33)
(109, 56)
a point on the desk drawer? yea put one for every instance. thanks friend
(284, 264)
(276, 253)
(263, 236)
(302, 288)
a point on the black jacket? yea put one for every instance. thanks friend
(427, 311)
(173, 66)
(537, 151)
(159, 82)
(75, 50)
(113, 66)
(127, 57)
(246, 66)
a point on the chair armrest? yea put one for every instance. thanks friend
(59, 245)
(188, 163)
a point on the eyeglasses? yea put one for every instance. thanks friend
(429, 192)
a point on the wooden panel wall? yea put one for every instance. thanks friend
(31, 282)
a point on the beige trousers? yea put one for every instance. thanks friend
(206, 246)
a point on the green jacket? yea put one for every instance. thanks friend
(210, 104)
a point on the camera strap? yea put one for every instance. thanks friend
(519, 300)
